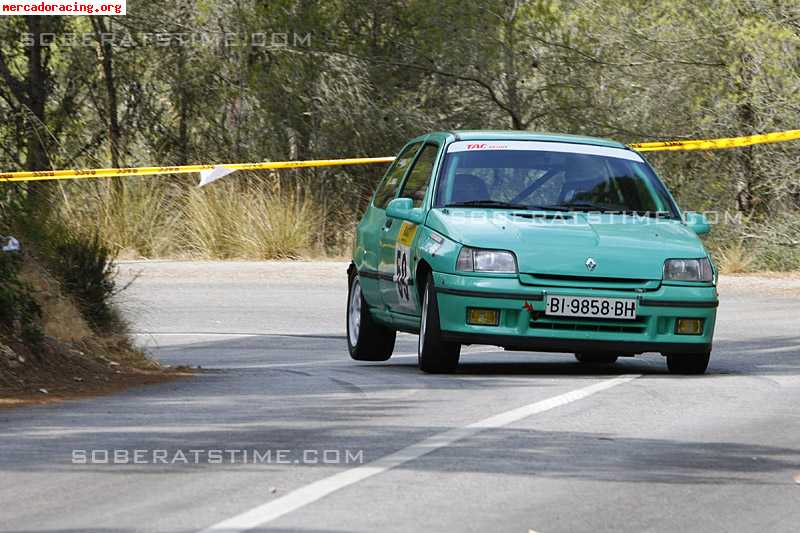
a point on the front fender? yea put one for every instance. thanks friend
(437, 250)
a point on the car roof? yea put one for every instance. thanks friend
(511, 135)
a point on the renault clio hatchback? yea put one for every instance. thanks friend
(533, 242)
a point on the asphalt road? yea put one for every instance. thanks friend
(512, 442)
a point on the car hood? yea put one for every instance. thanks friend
(561, 244)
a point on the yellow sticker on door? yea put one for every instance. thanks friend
(402, 271)
(407, 233)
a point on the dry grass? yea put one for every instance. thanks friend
(135, 217)
(226, 220)
(735, 258)
(249, 217)
(252, 221)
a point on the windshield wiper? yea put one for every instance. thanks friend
(547, 208)
(492, 204)
(588, 206)
(650, 214)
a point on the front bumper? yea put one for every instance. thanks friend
(524, 326)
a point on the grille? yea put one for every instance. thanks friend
(589, 282)
(637, 326)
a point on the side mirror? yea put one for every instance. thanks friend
(697, 222)
(403, 208)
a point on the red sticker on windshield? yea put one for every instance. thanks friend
(486, 146)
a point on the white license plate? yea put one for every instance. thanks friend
(587, 306)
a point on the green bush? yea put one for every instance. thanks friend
(81, 262)
(86, 270)
(19, 312)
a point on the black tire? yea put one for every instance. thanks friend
(596, 358)
(366, 340)
(689, 365)
(434, 355)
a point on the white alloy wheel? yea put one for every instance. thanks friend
(354, 312)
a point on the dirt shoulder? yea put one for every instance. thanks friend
(785, 284)
(58, 371)
(58, 356)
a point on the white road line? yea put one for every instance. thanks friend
(334, 361)
(237, 335)
(318, 362)
(303, 363)
(795, 348)
(319, 489)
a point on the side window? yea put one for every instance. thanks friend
(391, 183)
(420, 176)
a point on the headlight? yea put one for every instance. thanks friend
(688, 270)
(473, 260)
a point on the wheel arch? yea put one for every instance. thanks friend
(420, 277)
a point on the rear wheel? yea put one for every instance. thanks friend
(366, 339)
(596, 358)
(688, 364)
(435, 356)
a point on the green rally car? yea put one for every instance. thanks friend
(528, 241)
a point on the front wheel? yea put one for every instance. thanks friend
(688, 364)
(366, 339)
(434, 355)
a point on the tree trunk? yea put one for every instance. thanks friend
(745, 196)
(112, 111)
(183, 109)
(107, 63)
(509, 60)
(185, 11)
(38, 158)
(38, 141)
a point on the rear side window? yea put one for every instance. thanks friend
(388, 189)
(419, 178)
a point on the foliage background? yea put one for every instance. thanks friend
(200, 81)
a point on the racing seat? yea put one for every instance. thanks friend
(584, 191)
(585, 181)
(469, 188)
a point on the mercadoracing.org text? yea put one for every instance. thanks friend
(62, 7)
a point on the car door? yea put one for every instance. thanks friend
(371, 228)
(397, 262)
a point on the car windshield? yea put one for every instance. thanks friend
(550, 176)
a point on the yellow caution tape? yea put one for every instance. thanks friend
(706, 144)
(186, 169)
(718, 144)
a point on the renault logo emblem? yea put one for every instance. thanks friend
(591, 264)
